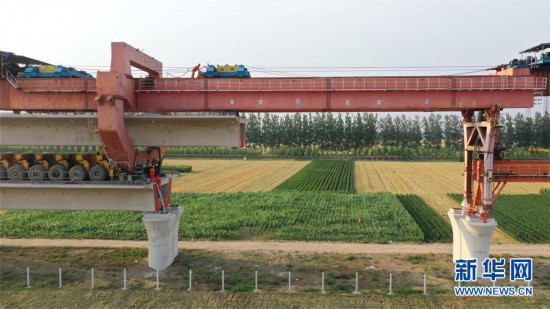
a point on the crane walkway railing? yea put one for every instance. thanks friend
(344, 84)
(470, 83)
(521, 169)
(63, 85)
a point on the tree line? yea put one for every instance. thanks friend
(353, 131)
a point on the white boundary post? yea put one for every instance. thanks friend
(93, 277)
(28, 278)
(256, 281)
(223, 281)
(190, 280)
(60, 278)
(356, 284)
(323, 282)
(289, 281)
(425, 284)
(391, 282)
(125, 285)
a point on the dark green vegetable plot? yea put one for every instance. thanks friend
(434, 227)
(322, 175)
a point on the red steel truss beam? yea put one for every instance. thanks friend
(521, 171)
(368, 94)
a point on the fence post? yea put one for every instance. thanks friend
(356, 283)
(158, 287)
(60, 278)
(28, 278)
(391, 281)
(223, 281)
(93, 277)
(323, 282)
(289, 278)
(256, 281)
(190, 280)
(425, 284)
(125, 286)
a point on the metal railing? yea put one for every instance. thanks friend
(471, 83)
(476, 83)
(522, 170)
(57, 84)
(12, 80)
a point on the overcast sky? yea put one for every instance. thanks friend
(279, 33)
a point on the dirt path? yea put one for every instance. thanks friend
(280, 246)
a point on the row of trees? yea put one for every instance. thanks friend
(358, 130)
(523, 131)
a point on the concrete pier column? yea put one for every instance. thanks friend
(471, 237)
(160, 232)
(455, 214)
(177, 211)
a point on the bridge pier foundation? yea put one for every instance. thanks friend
(471, 237)
(162, 232)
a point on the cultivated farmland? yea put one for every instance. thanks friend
(322, 216)
(422, 178)
(233, 175)
(434, 227)
(429, 180)
(322, 175)
(524, 217)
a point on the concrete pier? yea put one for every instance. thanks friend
(471, 237)
(162, 233)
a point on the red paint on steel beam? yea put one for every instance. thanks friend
(522, 167)
(543, 74)
(78, 101)
(279, 94)
(521, 170)
(113, 133)
(307, 101)
(124, 56)
(117, 85)
(5, 92)
(521, 179)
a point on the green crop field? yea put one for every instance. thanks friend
(322, 175)
(522, 216)
(434, 227)
(321, 216)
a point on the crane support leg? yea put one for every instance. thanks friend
(472, 224)
(113, 133)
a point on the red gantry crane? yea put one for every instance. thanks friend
(132, 120)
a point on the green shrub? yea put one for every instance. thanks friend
(173, 169)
